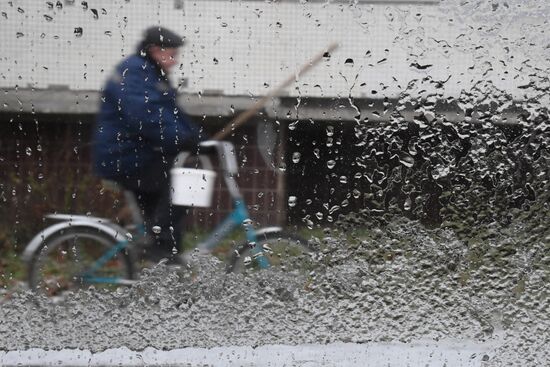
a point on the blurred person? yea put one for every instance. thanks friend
(139, 131)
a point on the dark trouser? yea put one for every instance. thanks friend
(163, 221)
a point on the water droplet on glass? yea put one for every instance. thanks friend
(407, 205)
(331, 163)
(330, 142)
(156, 229)
(28, 151)
(247, 260)
(129, 236)
(295, 157)
(406, 160)
(78, 31)
(330, 130)
(319, 215)
(343, 179)
(48, 18)
(267, 248)
(316, 153)
(348, 62)
(292, 201)
(356, 193)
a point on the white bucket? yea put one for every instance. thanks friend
(192, 187)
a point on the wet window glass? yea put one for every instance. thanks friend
(274, 182)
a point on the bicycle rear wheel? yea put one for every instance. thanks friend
(66, 259)
(285, 251)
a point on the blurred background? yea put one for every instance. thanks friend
(433, 109)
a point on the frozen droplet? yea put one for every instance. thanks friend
(292, 201)
(331, 163)
(156, 229)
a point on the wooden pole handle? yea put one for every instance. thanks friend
(244, 116)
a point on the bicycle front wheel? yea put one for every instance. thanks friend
(79, 257)
(282, 250)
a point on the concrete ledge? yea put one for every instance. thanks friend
(429, 353)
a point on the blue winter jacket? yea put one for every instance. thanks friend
(139, 122)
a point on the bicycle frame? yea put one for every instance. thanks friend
(238, 217)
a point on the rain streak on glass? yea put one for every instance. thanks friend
(390, 160)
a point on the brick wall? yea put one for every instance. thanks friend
(45, 167)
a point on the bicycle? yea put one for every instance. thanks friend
(79, 250)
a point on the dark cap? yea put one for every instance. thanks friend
(159, 36)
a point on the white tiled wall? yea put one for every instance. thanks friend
(242, 47)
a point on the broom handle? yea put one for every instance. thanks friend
(244, 116)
